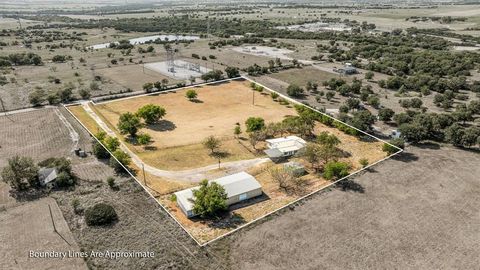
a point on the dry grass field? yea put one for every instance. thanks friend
(179, 135)
(28, 227)
(419, 211)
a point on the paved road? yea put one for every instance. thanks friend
(193, 175)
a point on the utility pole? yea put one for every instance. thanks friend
(144, 177)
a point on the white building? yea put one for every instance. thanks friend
(47, 177)
(239, 187)
(284, 147)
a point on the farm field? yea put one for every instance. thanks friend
(417, 212)
(28, 227)
(178, 152)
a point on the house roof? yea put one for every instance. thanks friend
(273, 153)
(234, 185)
(286, 144)
(47, 175)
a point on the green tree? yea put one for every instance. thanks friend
(191, 94)
(369, 75)
(144, 139)
(385, 114)
(255, 124)
(237, 131)
(37, 97)
(211, 143)
(335, 170)
(209, 199)
(111, 143)
(100, 214)
(129, 123)
(327, 139)
(21, 173)
(99, 151)
(232, 72)
(294, 90)
(151, 113)
(123, 159)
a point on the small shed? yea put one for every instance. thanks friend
(239, 187)
(296, 168)
(47, 177)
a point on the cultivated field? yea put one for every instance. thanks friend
(419, 211)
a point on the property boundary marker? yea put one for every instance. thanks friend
(269, 213)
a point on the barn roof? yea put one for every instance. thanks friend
(234, 185)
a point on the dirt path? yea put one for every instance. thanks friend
(193, 175)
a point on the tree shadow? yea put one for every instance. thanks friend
(405, 157)
(350, 185)
(428, 145)
(150, 148)
(163, 125)
(220, 154)
(196, 100)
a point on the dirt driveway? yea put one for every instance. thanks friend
(419, 211)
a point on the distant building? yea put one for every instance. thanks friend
(47, 177)
(348, 69)
(284, 147)
(239, 187)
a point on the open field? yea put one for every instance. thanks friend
(419, 211)
(179, 135)
(28, 228)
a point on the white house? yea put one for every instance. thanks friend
(239, 187)
(47, 177)
(284, 147)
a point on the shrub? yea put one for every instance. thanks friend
(99, 151)
(363, 162)
(65, 179)
(255, 124)
(191, 94)
(100, 214)
(400, 143)
(294, 90)
(335, 170)
(111, 182)
(274, 95)
(144, 139)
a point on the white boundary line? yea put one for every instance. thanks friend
(127, 170)
(261, 217)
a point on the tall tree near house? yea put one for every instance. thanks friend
(21, 173)
(209, 199)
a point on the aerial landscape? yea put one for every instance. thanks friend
(239, 135)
